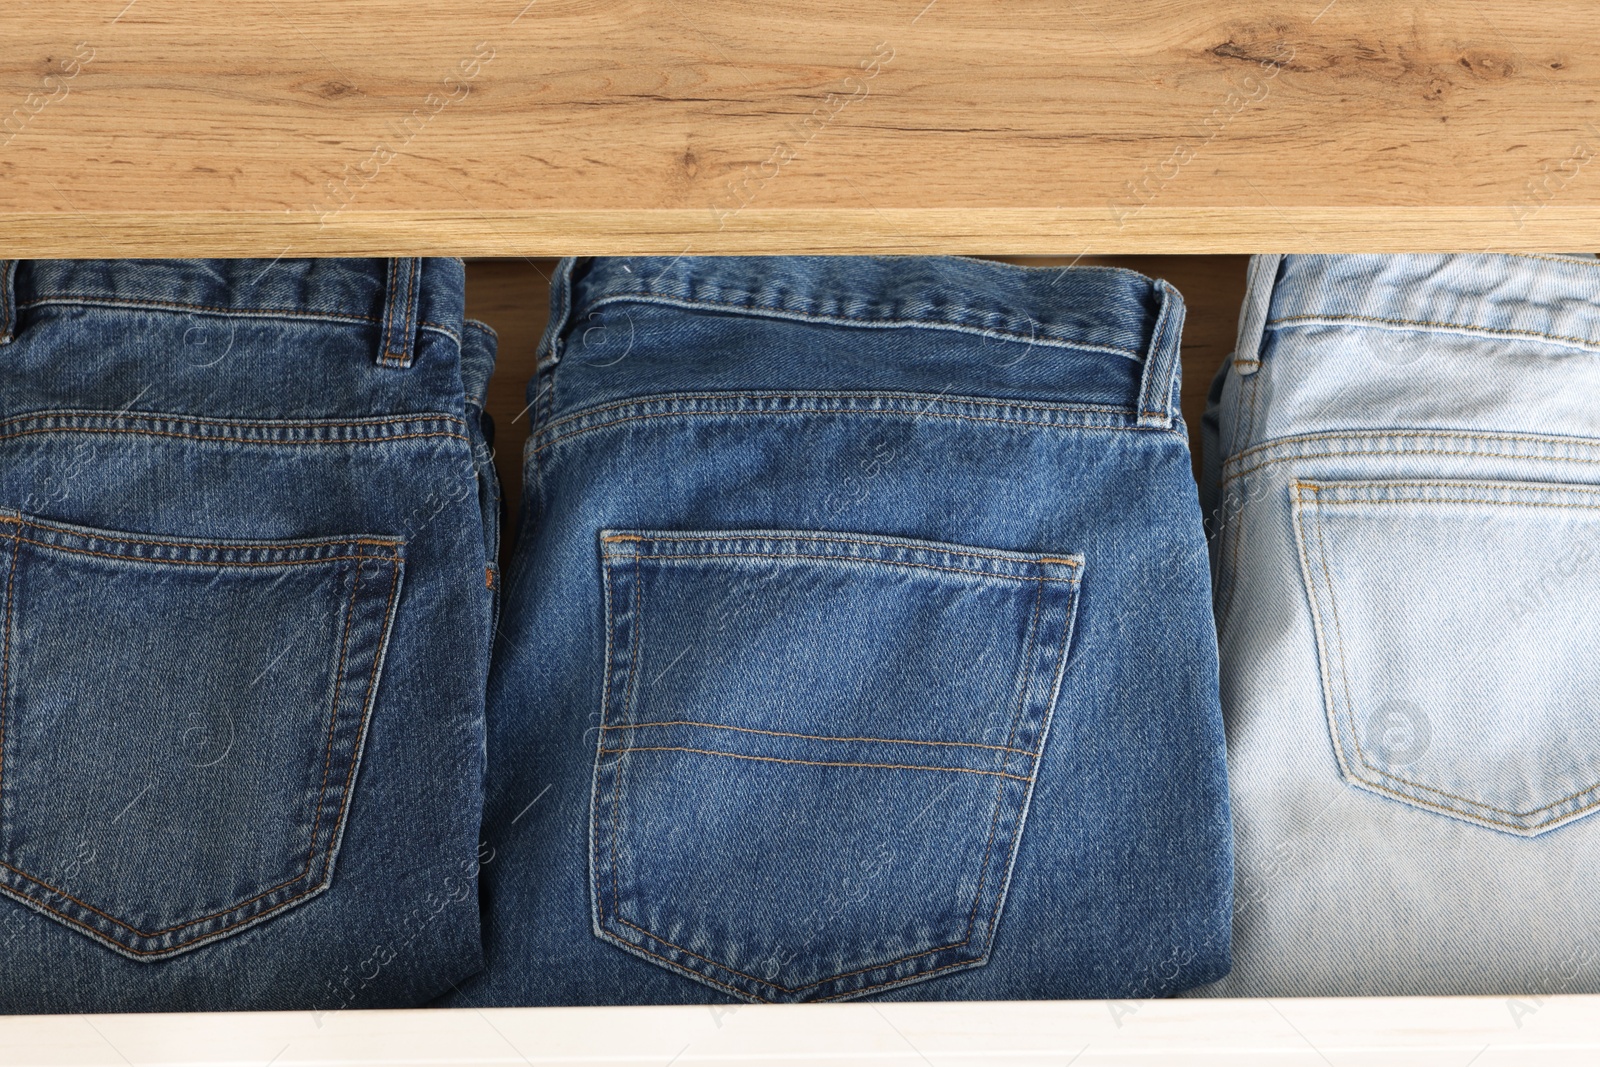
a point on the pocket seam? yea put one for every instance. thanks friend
(1317, 504)
(1026, 674)
(366, 711)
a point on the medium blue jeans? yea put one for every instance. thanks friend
(857, 643)
(247, 528)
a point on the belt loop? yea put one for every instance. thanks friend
(404, 293)
(553, 341)
(8, 300)
(1158, 393)
(1259, 281)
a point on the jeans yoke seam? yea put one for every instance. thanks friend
(819, 737)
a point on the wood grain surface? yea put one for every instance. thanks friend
(513, 297)
(1052, 127)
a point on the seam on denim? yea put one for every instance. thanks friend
(842, 412)
(1411, 452)
(921, 397)
(675, 964)
(762, 311)
(213, 935)
(1452, 327)
(1325, 660)
(854, 559)
(5, 659)
(333, 711)
(1365, 437)
(209, 546)
(618, 794)
(818, 737)
(605, 709)
(1055, 683)
(367, 702)
(907, 980)
(78, 415)
(1023, 682)
(813, 763)
(91, 300)
(840, 395)
(1445, 483)
(187, 562)
(953, 550)
(230, 440)
(1349, 704)
(1238, 525)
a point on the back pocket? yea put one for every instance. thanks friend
(816, 752)
(180, 724)
(1456, 626)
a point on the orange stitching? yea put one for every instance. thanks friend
(5, 660)
(661, 398)
(366, 717)
(333, 713)
(228, 440)
(1366, 439)
(909, 414)
(775, 985)
(605, 708)
(859, 559)
(1546, 488)
(999, 788)
(627, 692)
(812, 763)
(1331, 320)
(201, 420)
(1016, 838)
(816, 737)
(195, 563)
(397, 356)
(674, 963)
(294, 313)
(953, 550)
(204, 544)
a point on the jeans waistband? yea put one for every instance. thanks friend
(395, 298)
(1104, 309)
(1549, 299)
(1091, 307)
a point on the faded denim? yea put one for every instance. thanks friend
(857, 643)
(246, 534)
(1404, 459)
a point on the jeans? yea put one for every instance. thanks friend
(1403, 483)
(246, 533)
(857, 643)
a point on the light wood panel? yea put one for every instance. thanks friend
(537, 127)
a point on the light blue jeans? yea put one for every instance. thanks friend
(1403, 487)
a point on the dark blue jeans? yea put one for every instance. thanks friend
(858, 642)
(247, 528)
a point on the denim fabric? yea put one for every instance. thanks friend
(857, 643)
(1403, 500)
(246, 522)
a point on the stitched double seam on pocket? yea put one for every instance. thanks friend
(817, 751)
(181, 723)
(1456, 623)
